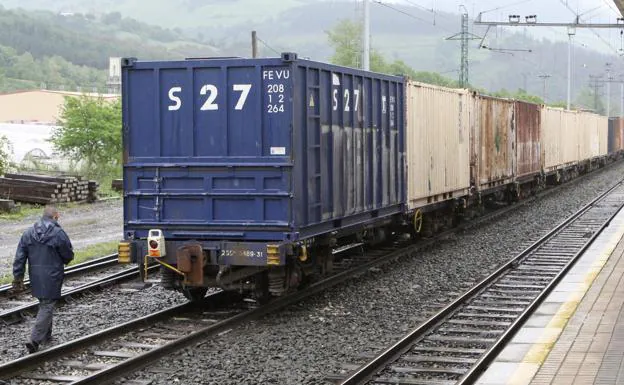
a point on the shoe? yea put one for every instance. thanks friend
(32, 347)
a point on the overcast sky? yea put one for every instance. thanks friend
(545, 9)
(596, 11)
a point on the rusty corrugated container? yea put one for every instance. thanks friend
(528, 139)
(438, 164)
(613, 139)
(615, 136)
(560, 136)
(493, 142)
(619, 135)
(619, 132)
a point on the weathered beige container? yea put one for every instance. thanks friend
(438, 144)
(588, 136)
(602, 132)
(493, 142)
(560, 138)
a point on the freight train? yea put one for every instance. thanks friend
(255, 175)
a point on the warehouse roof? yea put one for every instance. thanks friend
(37, 106)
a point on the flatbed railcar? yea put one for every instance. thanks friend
(246, 174)
(255, 175)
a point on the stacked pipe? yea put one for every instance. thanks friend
(44, 189)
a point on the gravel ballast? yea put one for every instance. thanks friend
(89, 314)
(306, 342)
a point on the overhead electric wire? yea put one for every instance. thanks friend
(611, 7)
(267, 45)
(410, 15)
(591, 29)
(506, 6)
(432, 10)
(419, 6)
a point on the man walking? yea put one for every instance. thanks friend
(47, 248)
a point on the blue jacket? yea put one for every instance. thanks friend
(47, 248)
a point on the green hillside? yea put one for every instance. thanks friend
(42, 48)
(172, 13)
(91, 31)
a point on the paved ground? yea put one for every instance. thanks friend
(85, 224)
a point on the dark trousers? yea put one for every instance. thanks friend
(42, 331)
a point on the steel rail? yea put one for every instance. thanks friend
(475, 371)
(367, 371)
(19, 365)
(124, 275)
(75, 270)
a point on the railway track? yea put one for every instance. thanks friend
(82, 278)
(104, 356)
(112, 353)
(455, 345)
(74, 270)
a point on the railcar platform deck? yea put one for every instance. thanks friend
(577, 334)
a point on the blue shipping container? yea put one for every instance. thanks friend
(249, 150)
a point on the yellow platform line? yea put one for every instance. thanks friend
(540, 350)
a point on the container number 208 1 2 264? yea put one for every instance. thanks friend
(275, 87)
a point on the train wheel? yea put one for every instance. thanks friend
(261, 288)
(195, 293)
(418, 221)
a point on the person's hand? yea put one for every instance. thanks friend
(18, 285)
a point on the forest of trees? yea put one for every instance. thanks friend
(40, 48)
(21, 71)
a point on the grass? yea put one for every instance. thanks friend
(105, 189)
(94, 251)
(81, 255)
(28, 209)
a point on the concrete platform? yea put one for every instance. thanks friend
(577, 334)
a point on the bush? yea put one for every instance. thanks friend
(89, 134)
